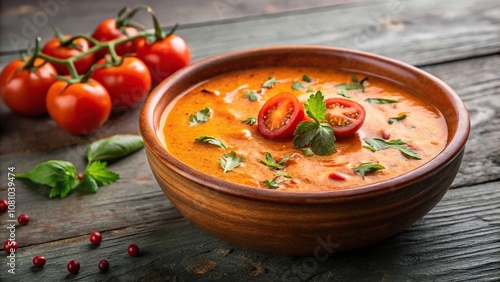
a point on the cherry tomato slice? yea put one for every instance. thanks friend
(345, 116)
(280, 115)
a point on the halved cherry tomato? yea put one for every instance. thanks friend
(79, 108)
(164, 57)
(280, 115)
(54, 48)
(127, 84)
(107, 31)
(345, 116)
(24, 91)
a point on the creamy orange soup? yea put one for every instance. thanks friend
(423, 130)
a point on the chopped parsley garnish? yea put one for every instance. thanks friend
(380, 101)
(309, 90)
(307, 151)
(377, 144)
(250, 121)
(274, 184)
(306, 78)
(271, 162)
(298, 85)
(398, 118)
(210, 140)
(270, 82)
(199, 117)
(251, 95)
(230, 162)
(317, 134)
(367, 167)
(355, 85)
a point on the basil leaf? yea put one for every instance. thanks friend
(378, 144)
(316, 107)
(270, 82)
(367, 167)
(355, 85)
(380, 101)
(210, 140)
(251, 95)
(306, 78)
(199, 117)
(323, 142)
(114, 147)
(398, 118)
(59, 175)
(250, 121)
(297, 85)
(230, 162)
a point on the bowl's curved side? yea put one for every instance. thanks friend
(301, 229)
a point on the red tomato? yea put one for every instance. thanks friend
(79, 108)
(24, 91)
(107, 31)
(127, 84)
(345, 116)
(280, 115)
(164, 57)
(55, 49)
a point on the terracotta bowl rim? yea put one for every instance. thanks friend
(153, 144)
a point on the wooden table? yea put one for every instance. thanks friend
(457, 41)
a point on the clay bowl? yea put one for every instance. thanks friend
(315, 223)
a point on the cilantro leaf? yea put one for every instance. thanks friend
(113, 147)
(251, 95)
(304, 134)
(298, 85)
(58, 175)
(88, 184)
(367, 167)
(250, 121)
(199, 117)
(355, 85)
(307, 151)
(270, 82)
(229, 162)
(211, 140)
(323, 142)
(97, 175)
(378, 144)
(380, 101)
(274, 184)
(316, 107)
(398, 118)
(271, 162)
(306, 78)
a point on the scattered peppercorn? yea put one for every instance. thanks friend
(39, 261)
(133, 250)
(10, 245)
(73, 267)
(3, 205)
(103, 265)
(95, 238)
(23, 219)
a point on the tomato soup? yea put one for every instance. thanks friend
(212, 128)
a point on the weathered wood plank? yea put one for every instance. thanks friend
(458, 240)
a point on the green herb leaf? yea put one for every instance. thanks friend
(59, 175)
(309, 90)
(88, 184)
(316, 107)
(355, 85)
(270, 82)
(306, 78)
(304, 134)
(323, 142)
(274, 184)
(380, 101)
(307, 151)
(229, 162)
(251, 95)
(398, 118)
(101, 174)
(113, 147)
(211, 140)
(298, 85)
(367, 167)
(199, 117)
(380, 144)
(271, 162)
(250, 121)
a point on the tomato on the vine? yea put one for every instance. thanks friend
(109, 30)
(80, 107)
(165, 56)
(56, 49)
(24, 90)
(127, 83)
(280, 115)
(345, 116)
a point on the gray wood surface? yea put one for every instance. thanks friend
(459, 240)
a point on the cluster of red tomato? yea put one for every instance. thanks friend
(33, 88)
